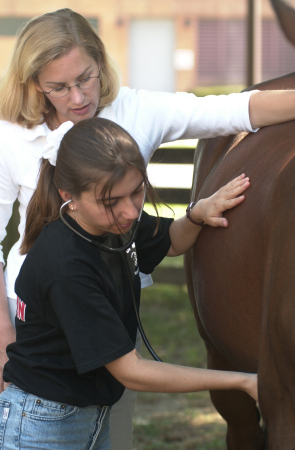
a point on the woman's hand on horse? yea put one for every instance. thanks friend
(251, 385)
(210, 209)
(183, 233)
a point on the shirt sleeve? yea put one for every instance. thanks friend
(8, 194)
(153, 242)
(94, 331)
(153, 118)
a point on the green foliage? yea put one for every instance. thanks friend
(202, 91)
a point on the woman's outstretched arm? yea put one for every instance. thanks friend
(139, 374)
(271, 107)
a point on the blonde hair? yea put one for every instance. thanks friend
(42, 40)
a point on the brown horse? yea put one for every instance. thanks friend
(241, 279)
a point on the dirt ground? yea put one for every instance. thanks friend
(177, 422)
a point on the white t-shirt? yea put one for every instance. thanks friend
(151, 118)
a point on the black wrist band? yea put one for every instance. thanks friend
(188, 215)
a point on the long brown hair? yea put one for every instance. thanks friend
(42, 40)
(93, 150)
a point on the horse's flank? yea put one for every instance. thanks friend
(242, 279)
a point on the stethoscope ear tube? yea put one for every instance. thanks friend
(97, 244)
(122, 251)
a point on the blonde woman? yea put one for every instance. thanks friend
(60, 71)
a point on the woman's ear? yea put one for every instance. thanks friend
(66, 196)
(37, 86)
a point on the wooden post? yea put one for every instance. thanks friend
(254, 69)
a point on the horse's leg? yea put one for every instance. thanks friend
(276, 372)
(236, 407)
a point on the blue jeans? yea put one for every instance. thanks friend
(30, 422)
(121, 429)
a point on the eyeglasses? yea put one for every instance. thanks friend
(64, 90)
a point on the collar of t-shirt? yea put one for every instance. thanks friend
(92, 237)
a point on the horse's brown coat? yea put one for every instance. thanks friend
(242, 279)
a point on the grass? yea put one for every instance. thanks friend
(165, 309)
(174, 421)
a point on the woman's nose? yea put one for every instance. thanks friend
(130, 210)
(77, 95)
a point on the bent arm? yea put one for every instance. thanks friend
(139, 374)
(7, 331)
(271, 107)
(8, 194)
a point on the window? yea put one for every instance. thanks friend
(278, 55)
(222, 52)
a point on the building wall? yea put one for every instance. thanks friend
(114, 18)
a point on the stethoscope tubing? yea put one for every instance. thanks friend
(122, 252)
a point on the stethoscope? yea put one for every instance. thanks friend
(122, 252)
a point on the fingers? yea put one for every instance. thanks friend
(231, 203)
(218, 222)
(225, 205)
(231, 192)
(227, 197)
(236, 181)
(222, 221)
(235, 187)
(233, 183)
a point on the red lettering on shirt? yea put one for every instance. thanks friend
(20, 309)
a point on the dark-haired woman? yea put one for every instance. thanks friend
(76, 327)
(60, 71)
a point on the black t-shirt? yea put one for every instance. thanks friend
(75, 312)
